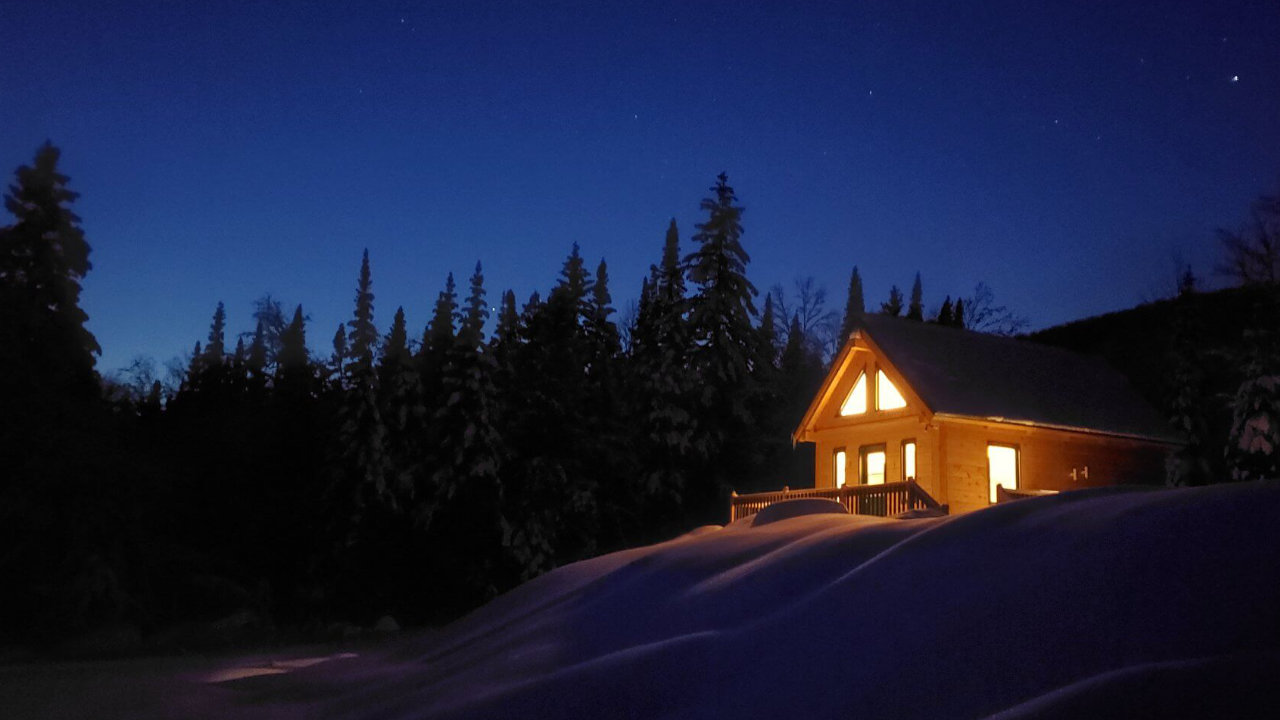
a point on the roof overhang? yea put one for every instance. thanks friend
(841, 363)
(859, 342)
(975, 420)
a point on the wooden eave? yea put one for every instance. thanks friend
(974, 420)
(848, 354)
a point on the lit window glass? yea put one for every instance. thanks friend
(1002, 463)
(841, 462)
(909, 460)
(856, 403)
(873, 465)
(887, 396)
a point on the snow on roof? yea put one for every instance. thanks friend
(1081, 604)
(971, 374)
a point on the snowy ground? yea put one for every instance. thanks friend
(1093, 604)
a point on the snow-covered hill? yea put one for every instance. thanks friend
(1105, 603)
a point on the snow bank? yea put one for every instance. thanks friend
(1094, 603)
(795, 508)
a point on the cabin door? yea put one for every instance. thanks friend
(871, 472)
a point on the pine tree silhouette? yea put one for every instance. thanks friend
(362, 334)
(43, 258)
(894, 305)
(853, 307)
(915, 310)
(216, 349)
(724, 340)
(946, 314)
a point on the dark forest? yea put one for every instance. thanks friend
(418, 472)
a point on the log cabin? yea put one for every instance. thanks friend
(915, 415)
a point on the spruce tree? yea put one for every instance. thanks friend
(602, 333)
(915, 310)
(612, 456)
(795, 355)
(195, 367)
(508, 329)
(663, 395)
(1186, 283)
(43, 258)
(946, 314)
(215, 350)
(670, 278)
(573, 287)
(721, 312)
(437, 338)
(531, 310)
(293, 361)
(959, 320)
(1253, 446)
(401, 407)
(504, 347)
(1188, 399)
(724, 340)
(641, 333)
(469, 529)
(471, 333)
(768, 351)
(894, 305)
(256, 362)
(396, 347)
(362, 334)
(433, 357)
(553, 486)
(853, 307)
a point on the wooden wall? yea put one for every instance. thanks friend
(951, 453)
(1046, 459)
(890, 433)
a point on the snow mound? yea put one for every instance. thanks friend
(795, 508)
(1099, 603)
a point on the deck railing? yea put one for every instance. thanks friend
(883, 500)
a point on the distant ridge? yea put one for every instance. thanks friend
(1139, 341)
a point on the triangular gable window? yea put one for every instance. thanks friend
(856, 403)
(887, 396)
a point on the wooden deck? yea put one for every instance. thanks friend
(882, 500)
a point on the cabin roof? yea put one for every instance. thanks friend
(976, 375)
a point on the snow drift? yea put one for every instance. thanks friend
(1101, 603)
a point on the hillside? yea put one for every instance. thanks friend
(1104, 603)
(1140, 341)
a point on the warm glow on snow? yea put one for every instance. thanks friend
(856, 403)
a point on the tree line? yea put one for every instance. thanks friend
(410, 473)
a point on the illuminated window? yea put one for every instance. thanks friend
(909, 460)
(887, 396)
(871, 464)
(840, 462)
(1002, 468)
(856, 403)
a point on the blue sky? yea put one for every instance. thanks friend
(1067, 153)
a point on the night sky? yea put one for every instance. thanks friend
(1068, 153)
